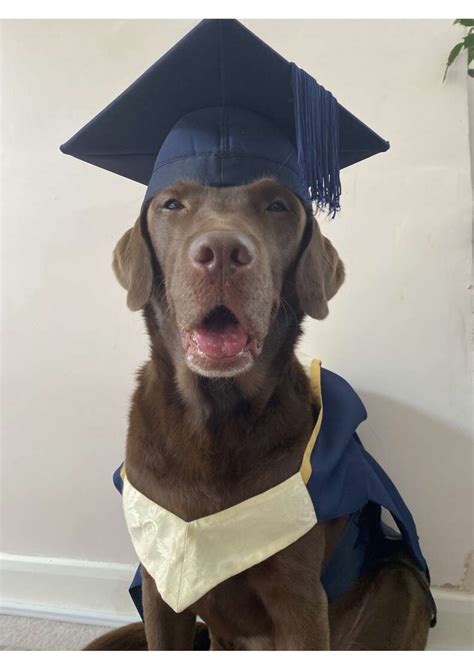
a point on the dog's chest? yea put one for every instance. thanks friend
(191, 493)
(188, 558)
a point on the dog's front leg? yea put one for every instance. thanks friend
(299, 616)
(290, 589)
(301, 624)
(165, 629)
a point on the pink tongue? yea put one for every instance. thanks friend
(222, 342)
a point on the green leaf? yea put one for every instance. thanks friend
(469, 41)
(470, 73)
(455, 51)
(470, 55)
(464, 22)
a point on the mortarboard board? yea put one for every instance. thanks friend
(223, 108)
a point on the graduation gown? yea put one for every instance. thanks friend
(341, 478)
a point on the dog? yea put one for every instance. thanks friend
(223, 411)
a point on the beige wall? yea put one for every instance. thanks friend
(398, 330)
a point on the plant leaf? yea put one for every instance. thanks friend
(469, 41)
(454, 53)
(464, 22)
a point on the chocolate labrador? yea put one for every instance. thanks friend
(223, 411)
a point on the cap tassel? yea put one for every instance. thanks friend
(317, 139)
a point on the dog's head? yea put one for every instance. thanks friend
(219, 265)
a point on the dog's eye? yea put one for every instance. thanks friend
(277, 206)
(172, 203)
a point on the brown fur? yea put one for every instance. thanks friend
(204, 438)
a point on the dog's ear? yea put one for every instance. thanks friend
(319, 274)
(132, 266)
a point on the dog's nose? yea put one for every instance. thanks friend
(222, 251)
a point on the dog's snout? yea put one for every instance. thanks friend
(222, 251)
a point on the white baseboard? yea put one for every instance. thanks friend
(88, 592)
(455, 628)
(34, 611)
(96, 593)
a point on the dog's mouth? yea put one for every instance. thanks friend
(220, 335)
(220, 345)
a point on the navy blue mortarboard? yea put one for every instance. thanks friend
(222, 108)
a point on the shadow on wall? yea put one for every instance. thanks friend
(404, 440)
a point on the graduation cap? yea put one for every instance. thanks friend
(223, 108)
